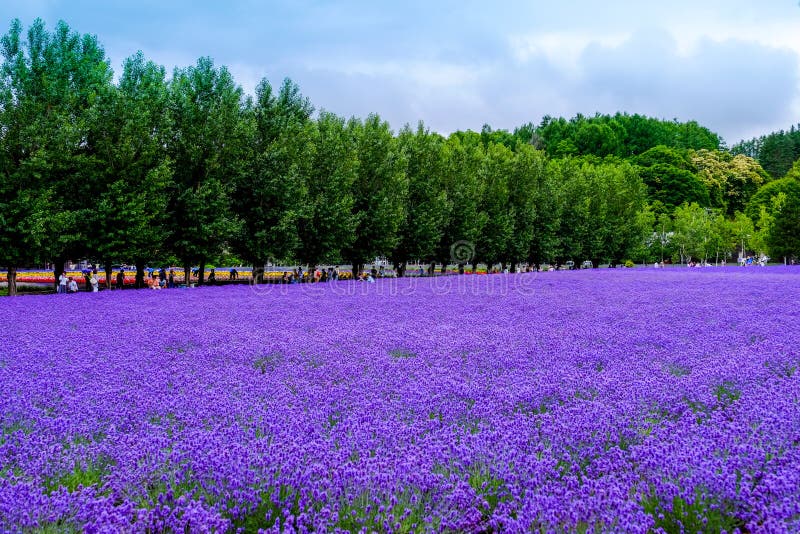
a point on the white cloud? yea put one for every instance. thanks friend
(563, 49)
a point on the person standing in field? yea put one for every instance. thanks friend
(62, 283)
(120, 279)
(93, 281)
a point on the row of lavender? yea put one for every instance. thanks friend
(603, 400)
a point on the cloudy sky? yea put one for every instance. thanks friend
(731, 65)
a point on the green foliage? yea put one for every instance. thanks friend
(494, 209)
(91, 474)
(663, 155)
(369, 513)
(699, 514)
(621, 135)
(269, 196)
(52, 83)
(527, 204)
(783, 235)
(207, 148)
(328, 222)
(693, 232)
(426, 207)
(379, 191)
(673, 186)
(131, 127)
(727, 393)
(775, 208)
(789, 186)
(268, 363)
(776, 152)
(464, 222)
(601, 205)
(730, 180)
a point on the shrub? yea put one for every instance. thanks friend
(629, 263)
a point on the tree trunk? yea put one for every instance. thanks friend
(400, 269)
(12, 281)
(187, 274)
(108, 274)
(58, 269)
(201, 273)
(357, 267)
(258, 274)
(139, 274)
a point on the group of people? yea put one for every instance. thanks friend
(750, 260)
(161, 280)
(154, 279)
(68, 284)
(319, 275)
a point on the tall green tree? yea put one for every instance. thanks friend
(783, 236)
(497, 213)
(51, 83)
(763, 197)
(622, 210)
(464, 222)
(379, 192)
(575, 224)
(695, 234)
(548, 205)
(131, 128)
(524, 182)
(270, 195)
(25, 193)
(206, 146)
(426, 207)
(742, 232)
(328, 222)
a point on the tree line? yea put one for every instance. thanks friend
(187, 169)
(776, 151)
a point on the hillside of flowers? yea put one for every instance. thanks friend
(574, 401)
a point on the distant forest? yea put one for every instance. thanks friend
(775, 152)
(186, 169)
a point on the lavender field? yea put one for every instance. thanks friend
(592, 401)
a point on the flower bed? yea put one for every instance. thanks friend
(576, 401)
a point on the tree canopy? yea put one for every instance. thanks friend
(187, 169)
